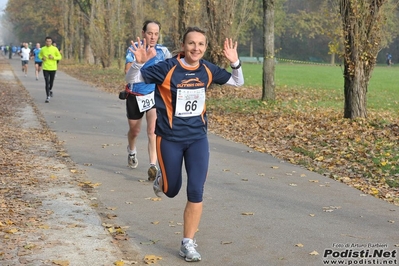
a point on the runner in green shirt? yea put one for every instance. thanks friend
(49, 54)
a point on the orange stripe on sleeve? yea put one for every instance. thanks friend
(210, 76)
(166, 95)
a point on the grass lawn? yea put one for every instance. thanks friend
(305, 124)
(383, 90)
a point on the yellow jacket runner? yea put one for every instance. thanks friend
(50, 64)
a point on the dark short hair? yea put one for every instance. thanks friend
(48, 37)
(193, 29)
(145, 24)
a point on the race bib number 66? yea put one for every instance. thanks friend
(190, 102)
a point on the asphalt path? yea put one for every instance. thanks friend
(258, 210)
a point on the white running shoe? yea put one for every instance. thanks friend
(157, 186)
(132, 161)
(188, 251)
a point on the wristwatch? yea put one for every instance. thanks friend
(237, 67)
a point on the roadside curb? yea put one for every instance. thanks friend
(57, 222)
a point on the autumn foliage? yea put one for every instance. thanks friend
(363, 153)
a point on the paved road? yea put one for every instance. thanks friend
(258, 210)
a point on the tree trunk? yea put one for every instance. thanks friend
(220, 19)
(87, 52)
(251, 48)
(355, 88)
(268, 51)
(362, 22)
(108, 50)
(66, 36)
(182, 23)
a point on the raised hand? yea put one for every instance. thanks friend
(230, 50)
(141, 52)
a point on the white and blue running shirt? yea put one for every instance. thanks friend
(162, 54)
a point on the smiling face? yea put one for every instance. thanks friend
(194, 47)
(151, 34)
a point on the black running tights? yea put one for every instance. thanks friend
(49, 79)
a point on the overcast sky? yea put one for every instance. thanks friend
(3, 4)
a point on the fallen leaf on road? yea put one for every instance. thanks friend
(72, 225)
(156, 199)
(61, 262)
(331, 208)
(151, 259)
(29, 246)
(120, 237)
(44, 226)
(130, 262)
(107, 225)
(119, 230)
(314, 253)
(88, 184)
(111, 216)
(151, 242)
(299, 245)
(12, 231)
